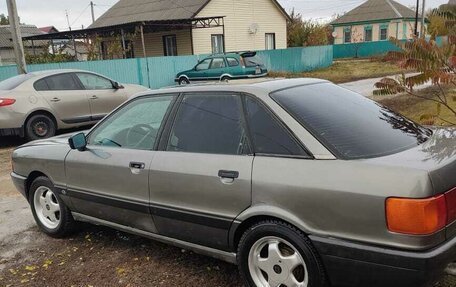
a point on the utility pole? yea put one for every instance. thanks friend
(417, 16)
(423, 20)
(68, 19)
(93, 12)
(17, 37)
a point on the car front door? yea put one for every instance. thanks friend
(110, 179)
(200, 179)
(102, 95)
(217, 69)
(199, 73)
(66, 97)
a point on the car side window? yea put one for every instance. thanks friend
(218, 63)
(62, 82)
(203, 65)
(94, 82)
(209, 123)
(268, 136)
(134, 126)
(41, 85)
(232, 62)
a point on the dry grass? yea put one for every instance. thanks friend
(348, 71)
(415, 108)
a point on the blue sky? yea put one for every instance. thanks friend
(52, 12)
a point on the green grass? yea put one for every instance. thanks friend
(414, 108)
(348, 71)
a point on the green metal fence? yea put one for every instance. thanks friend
(158, 72)
(368, 49)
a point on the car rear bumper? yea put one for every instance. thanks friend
(19, 182)
(352, 264)
(12, 132)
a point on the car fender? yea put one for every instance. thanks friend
(183, 76)
(266, 211)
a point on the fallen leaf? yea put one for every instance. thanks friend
(31, 268)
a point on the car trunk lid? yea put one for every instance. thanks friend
(437, 156)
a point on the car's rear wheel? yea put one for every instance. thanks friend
(183, 81)
(225, 79)
(273, 253)
(40, 126)
(51, 214)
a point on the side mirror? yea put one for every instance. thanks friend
(117, 86)
(78, 142)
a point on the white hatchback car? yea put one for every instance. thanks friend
(37, 104)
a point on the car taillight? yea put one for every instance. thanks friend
(6, 102)
(421, 216)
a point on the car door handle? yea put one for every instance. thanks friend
(137, 165)
(55, 100)
(94, 98)
(228, 174)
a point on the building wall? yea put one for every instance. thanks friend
(397, 28)
(154, 43)
(240, 15)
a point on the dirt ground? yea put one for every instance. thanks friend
(96, 256)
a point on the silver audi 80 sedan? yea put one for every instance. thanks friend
(37, 104)
(300, 182)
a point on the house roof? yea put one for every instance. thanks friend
(375, 10)
(48, 29)
(6, 38)
(132, 11)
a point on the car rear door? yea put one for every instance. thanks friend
(66, 97)
(200, 180)
(102, 95)
(110, 180)
(217, 69)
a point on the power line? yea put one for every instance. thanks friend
(77, 18)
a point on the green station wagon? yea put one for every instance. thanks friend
(224, 67)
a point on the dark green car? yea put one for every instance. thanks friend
(225, 67)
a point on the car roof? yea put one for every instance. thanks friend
(260, 87)
(57, 71)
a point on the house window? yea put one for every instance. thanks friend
(270, 41)
(368, 34)
(347, 35)
(383, 33)
(170, 45)
(217, 44)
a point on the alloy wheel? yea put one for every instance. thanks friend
(274, 262)
(47, 207)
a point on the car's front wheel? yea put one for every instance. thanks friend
(183, 81)
(273, 253)
(40, 126)
(51, 214)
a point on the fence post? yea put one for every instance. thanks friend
(139, 71)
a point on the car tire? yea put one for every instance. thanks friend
(183, 81)
(293, 260)
(51, 214)
(225, 79)
(40, 126)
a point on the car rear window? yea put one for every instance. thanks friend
(253, 61)
(350, 125)
(14, 82)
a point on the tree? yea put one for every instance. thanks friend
(295, 30)
(306, 33)
(434, 64)
(4, 20)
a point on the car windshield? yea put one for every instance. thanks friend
(14, 82)
(348, 124)
(253, 61)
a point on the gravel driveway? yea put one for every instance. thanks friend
(95, 256)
